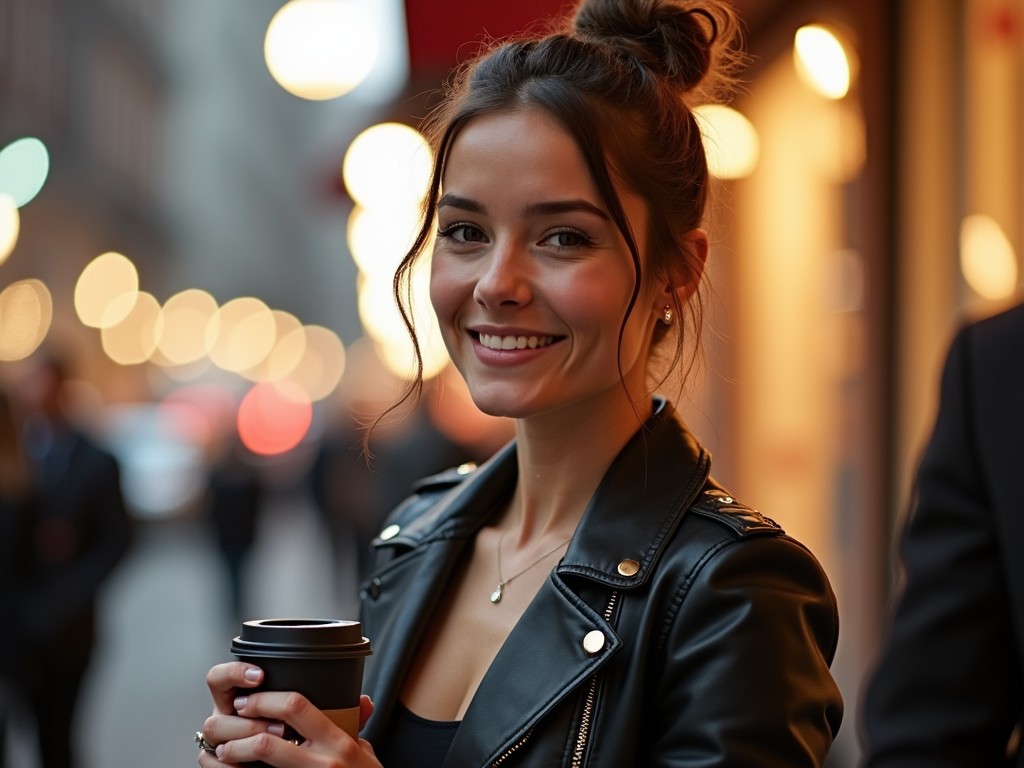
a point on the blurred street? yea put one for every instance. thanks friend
(162, 627)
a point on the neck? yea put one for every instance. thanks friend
(562, 459)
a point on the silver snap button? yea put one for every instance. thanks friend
(594, 641)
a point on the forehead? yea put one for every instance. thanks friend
(527, 150)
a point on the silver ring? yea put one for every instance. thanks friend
(204, 744)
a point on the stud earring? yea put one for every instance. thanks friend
(666, 315)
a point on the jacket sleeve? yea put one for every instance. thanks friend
(746, 676)
(946, 684)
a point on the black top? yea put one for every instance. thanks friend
(411, 741)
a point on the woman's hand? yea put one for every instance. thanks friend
(250, 726)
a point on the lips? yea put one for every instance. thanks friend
(494, 341)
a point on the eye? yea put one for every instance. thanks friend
(566, 238)
(461, 232)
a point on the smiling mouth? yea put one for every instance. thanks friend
(514, 342)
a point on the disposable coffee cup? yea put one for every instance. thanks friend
(320, 658)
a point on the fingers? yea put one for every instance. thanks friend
(220, 731)
(287, 707)
(321, 735)
(207, 760)
(221, 728)
(365, 710)
(224, 679)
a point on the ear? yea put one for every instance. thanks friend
(685, 272)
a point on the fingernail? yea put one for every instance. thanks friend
(240, 703)
(254, 674)
(220, 750)
(276, 728)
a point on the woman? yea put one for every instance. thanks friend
(589, 596)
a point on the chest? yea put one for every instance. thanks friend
(467, 631)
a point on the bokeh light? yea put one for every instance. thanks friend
(106, 290)
(274, 417)
(379, 237)
(24, 166)
(386, 165)
(320, 49)
(286, 353)
(730, 141)
(133, 340)
(822, 61)
(26, 312)
(241, 334)
(10, 225)
(322, 364)
(987, 257)
(184, 319)
(383, 323)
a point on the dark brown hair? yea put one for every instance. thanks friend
(621, 79)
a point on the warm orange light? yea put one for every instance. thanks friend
(274, 417)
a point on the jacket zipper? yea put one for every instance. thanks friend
(588, 708)
(511, 750)
(588, 705)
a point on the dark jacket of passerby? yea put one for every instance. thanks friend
(949, 687)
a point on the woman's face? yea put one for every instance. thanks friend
(530, 277)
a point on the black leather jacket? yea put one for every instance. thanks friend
(680, 628)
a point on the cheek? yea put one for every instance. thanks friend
(444, 290)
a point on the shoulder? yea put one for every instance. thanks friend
(984, 361)
(426, 493)
(1000, 336)
(723, 539)
(719, 506)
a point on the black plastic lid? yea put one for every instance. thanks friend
(301, 638)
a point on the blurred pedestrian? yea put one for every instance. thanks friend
(341, 486)
(355, 492)
(949, 687)
(18, 499)
(233, 504)
(80, 531)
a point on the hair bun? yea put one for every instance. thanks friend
(681, 40)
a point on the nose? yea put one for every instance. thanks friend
(505, 278)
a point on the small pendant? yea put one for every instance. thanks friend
(496, 594)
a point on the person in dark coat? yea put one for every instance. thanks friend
(80, 532)
(947, 689)
(18, 499)
(234, 502)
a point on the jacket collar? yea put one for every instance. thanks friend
(633, 514)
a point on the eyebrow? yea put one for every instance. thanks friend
(564, 206)
(534, 209)
(460, 202)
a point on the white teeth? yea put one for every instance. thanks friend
(514, 342)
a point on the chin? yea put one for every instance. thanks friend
(493, 406)
(501, 404)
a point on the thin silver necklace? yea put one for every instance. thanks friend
(499, 591)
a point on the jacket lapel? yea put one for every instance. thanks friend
(406, 592)
(562, 640)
